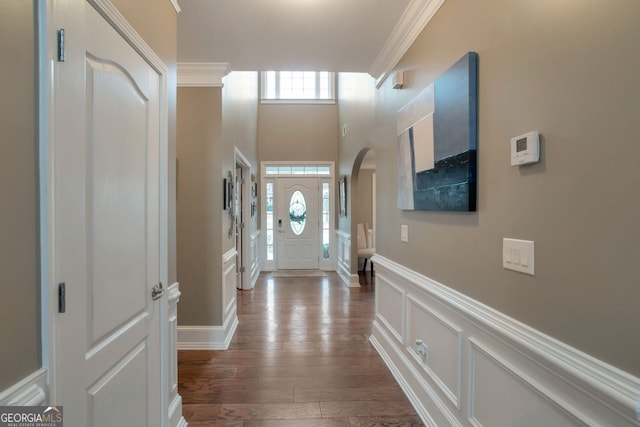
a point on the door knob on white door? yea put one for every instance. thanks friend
(157, 291)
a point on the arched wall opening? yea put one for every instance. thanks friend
(363, 198)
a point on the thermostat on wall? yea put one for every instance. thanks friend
(525, 149)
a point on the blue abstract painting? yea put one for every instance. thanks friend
(437, 142)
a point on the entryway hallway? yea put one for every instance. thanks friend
(300, 357)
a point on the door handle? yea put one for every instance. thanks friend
(157, 291)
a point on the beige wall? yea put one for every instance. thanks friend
(19, 246)
(364, 213)
(240, 126)
(199, 205)
(156, 21)
(569, 70)
(298, 132)
(356, 111)
(211, 123)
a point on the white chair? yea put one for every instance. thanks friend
(365, 247)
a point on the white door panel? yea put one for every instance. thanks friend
(107, 131)
(117, 190)
(298, 244)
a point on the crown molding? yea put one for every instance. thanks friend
(176, 6)
(414, 19)
(201, 74)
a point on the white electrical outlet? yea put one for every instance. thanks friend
(518, 255)
(404, 233)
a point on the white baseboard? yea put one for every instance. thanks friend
(348, 279)
(207, 337)
(479, 359)
(30, 391)
(418, 405)
(354, 281)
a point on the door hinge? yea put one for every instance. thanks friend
(62, 297)
(242, 226)
(242, 269)
(61, 53)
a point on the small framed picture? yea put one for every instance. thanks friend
(343, 196)
(224, 194)
(229, 193)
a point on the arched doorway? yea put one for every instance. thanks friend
(363, 210)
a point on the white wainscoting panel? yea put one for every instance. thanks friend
(493, 381)
(30, 391)
(485, 368)
(444, 340)
(344, 260)
(175, 400)
(390, 303)
(255, 258)
(229, 283)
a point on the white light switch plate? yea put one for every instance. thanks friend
(404, 233)
(518, 255)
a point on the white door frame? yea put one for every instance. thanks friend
(270, 265)
(241, 160)
(47, 50)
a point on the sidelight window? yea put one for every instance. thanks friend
(269, 210)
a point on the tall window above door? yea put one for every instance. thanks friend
(298, 87)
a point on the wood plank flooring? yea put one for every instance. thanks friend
(300, 357)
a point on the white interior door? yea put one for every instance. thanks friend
(239, 217)
(107, 227)
(297, 223)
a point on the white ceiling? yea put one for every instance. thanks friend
(258, 35)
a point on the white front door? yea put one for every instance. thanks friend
(107, 133)
(297, 223)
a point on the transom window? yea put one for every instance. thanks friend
(298, 86)
(284, 169)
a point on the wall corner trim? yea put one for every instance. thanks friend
(30, 391)
(174, 293)
(175, 413)
(176, 6)
(201, 74)
(414, 19)
(354, 281)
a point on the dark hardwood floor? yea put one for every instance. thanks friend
(300, 357)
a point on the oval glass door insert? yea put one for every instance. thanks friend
(297, 212)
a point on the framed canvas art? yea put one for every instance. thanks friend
(437, 142)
